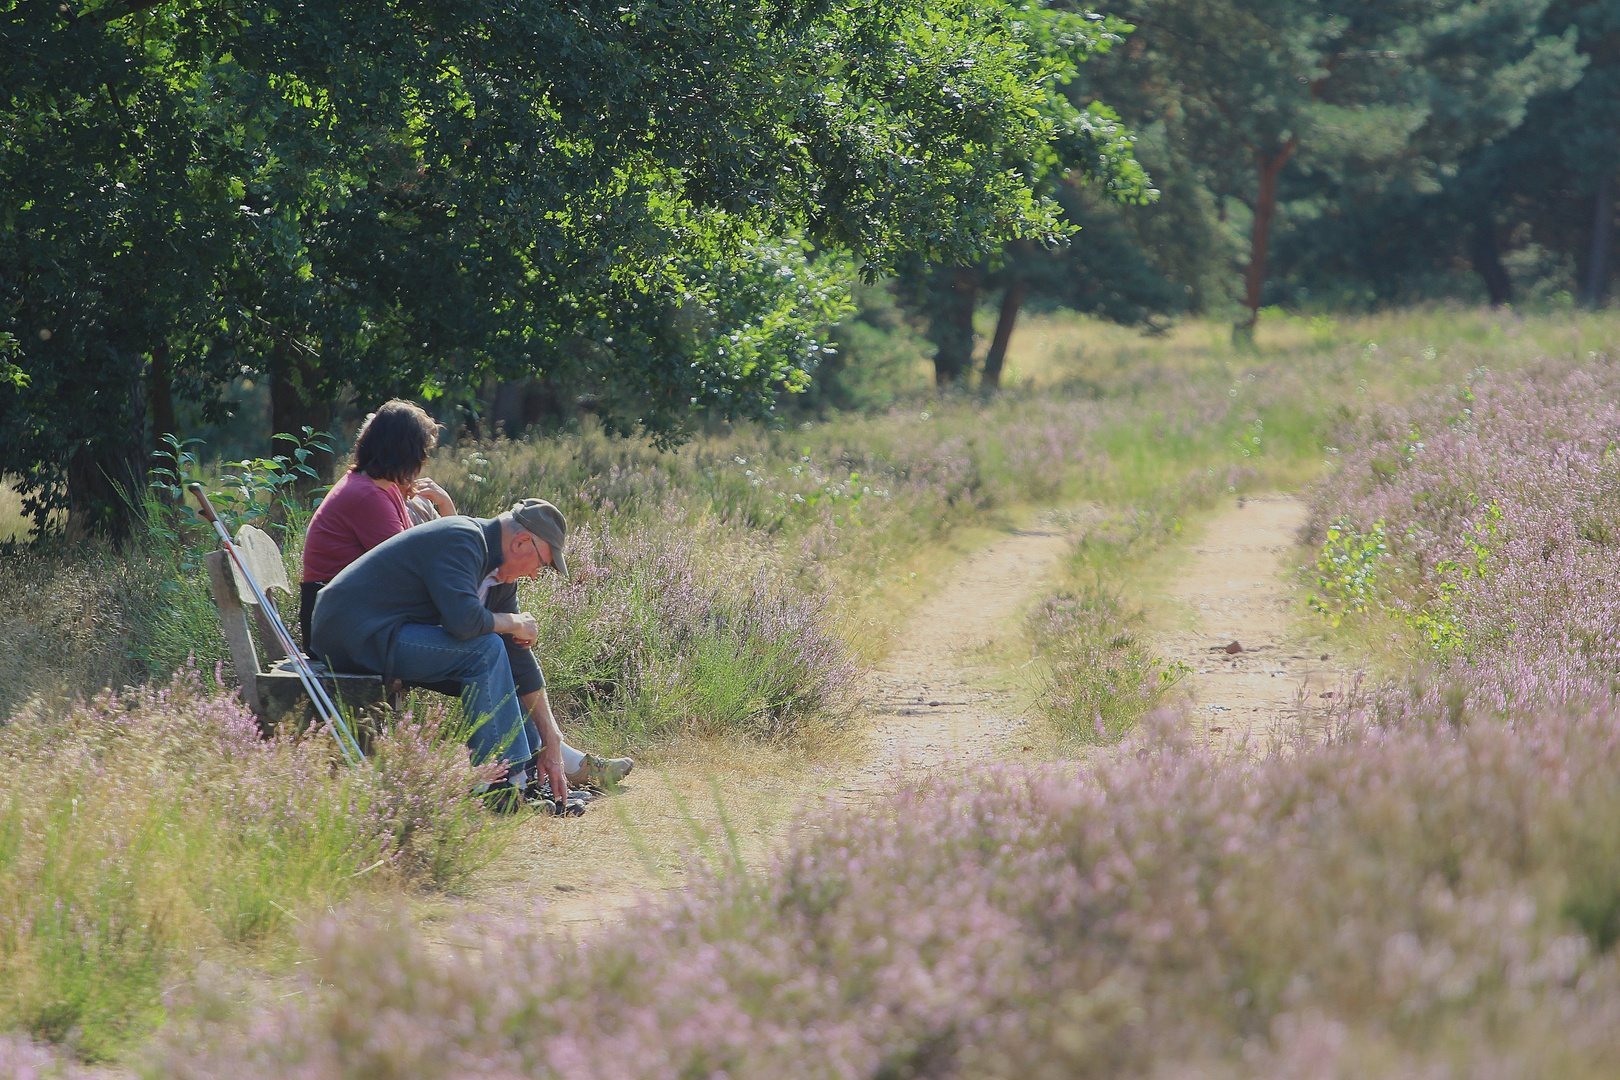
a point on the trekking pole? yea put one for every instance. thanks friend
(324, 707)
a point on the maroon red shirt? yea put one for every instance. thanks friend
(355, 517)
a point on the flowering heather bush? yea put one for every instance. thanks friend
(659, 632)
(24, 1060)
(1415, 903)
(144, 824)
(1487, 520)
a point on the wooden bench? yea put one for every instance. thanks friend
(271, 688)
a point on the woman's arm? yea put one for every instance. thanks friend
(433, 493)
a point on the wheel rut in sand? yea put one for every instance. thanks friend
(931, 701)
(924, 705)
(925, 702)
(1236, 589)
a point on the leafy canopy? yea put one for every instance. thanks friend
(649, 199)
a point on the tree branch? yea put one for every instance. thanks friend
(122, 9)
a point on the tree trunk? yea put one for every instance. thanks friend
(1487, 259)
(951, 324)
(1265, 213)
(107, 477)
(161, 390)
(1597, 270)
(1011, 301)
(295, 403)
(506, 410)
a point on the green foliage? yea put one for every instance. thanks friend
(1347, 571)
(1101, 675)
(1363, 97)
(645, 203)
(1352, 574)
(1438, 622)
(1092, 148)
(877, 356)
(1512, 222)
(9, 371)
(268, 492)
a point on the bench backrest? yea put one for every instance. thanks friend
(239, 613)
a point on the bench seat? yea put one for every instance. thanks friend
(272, 689)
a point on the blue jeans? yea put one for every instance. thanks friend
(424, 653)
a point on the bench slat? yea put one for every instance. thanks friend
(232, 617)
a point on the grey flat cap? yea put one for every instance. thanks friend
(545, 521)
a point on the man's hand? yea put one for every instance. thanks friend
(433, 493)
(551, 766)
(524, 629)
(538, 708)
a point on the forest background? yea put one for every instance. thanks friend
(228, 224)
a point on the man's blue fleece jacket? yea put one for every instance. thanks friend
(427, 574)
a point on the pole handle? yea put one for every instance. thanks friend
(202, 500)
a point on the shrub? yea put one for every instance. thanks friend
(1485, 518)
(142, 825)
(1102, 677)
(1394, 904)
(658, 632)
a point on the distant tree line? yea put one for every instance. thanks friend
(654, 205)
(1345, 154)
(655, 208)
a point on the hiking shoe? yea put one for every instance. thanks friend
(573, 807)
(503, 798)
(604, 774)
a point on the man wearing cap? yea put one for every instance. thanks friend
(438, 602)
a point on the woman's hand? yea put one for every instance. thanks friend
(426, 487)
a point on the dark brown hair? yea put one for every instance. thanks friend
(394, 441)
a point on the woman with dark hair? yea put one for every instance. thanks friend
(371, 502)
(382, 495)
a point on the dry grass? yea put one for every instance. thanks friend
(13, 526)
(709, 798)
(1050, 351)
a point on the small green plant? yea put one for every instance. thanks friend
(268, 492)
(1439, 621)
(1100, 676)
(1347, 571)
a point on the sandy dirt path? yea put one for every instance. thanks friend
(924, 705)
(933, 701)
(1238, 588)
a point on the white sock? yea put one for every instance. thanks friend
(518, 776)
(572, 759)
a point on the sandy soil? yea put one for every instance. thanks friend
(1238, 589)
(931, 703)
(927, 702)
